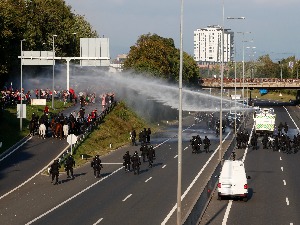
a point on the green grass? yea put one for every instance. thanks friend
(114, 130)
(10, 124)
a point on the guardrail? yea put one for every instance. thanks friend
(206, 193)
(87, 132)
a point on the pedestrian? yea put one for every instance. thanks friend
(54, 171)
(151, 155)
(127, 162)
(69, 164)
(96, 164)
(135, 159)
(148, 135)
(133, 137)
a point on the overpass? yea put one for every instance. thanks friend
(251, 83)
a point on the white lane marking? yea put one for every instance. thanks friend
(8, 154)
(148, 179)
(287, 201)
(192, 184)
(284, 182)
(164, 166)
(230, 202)
(280, 158)
(175, 156)
(281, 168)
(185, 148)
(126, 198)
(291, 118)
(74, 196)
(225, 218)
(278, 150)
(291, 224)
(26, 181)
(98, 221)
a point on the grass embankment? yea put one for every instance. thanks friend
(10, 124)
(114, 130)
(274, 95)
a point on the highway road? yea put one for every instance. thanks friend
(149, 198)
(116, 198)
(273, 187)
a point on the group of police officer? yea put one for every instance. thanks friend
(69, 163)
(196, 143)
(147, 153)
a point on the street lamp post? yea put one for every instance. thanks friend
(53, 36)
(21, 94)
(235, 18)
(180, 121)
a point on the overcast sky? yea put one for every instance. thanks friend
(274, 24)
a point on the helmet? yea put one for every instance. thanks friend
(136, 153)
(97, 156)
(151, 146)
(127, 152)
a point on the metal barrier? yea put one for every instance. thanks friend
(87, 132)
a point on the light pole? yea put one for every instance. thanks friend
(21, 94)
(53, 36)
(180, 122)
(250, 73)
(222, 74)
(243, 90)
(235, 18)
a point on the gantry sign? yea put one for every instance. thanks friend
(93, 52)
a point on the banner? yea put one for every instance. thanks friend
(23, 111)
(38, 101)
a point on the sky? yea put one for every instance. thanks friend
(274, 24)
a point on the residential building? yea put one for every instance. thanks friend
(208, 47)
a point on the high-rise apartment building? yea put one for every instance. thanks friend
(208, 45)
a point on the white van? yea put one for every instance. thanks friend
(233, 180)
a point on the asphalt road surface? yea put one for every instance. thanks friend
(118, 197)
(273, 187)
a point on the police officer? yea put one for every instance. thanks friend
(133, 137)
(127, 162)
(54, 171)
(135, 159)
(265, 141)
(206, 143)
(148, 135)
(151, 155)
(144, 150)
(70, 162)
(96, 164)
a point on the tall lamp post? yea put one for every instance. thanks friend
(21, 103)
(53, 36)
(235, 18)
(180, 122)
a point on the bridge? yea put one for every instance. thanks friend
(251, 83)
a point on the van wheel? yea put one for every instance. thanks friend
(219, 198)
(245, 199)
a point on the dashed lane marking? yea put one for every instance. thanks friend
(281, 168)
(98, 221)
(284, 182)
(148, 179)
(280, 158)
(164, 166)
(192, 184)
(225, 218)
(74, 196)
(175, 156)
(128, 196)
(287, 201)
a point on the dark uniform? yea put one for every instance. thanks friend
(96, 164)
(70, 162)
(54, 171)
(144, 150)
(133, 137)
(135, 159)
(148, 135)
(206, 143)
(127, 162)
(151, 155)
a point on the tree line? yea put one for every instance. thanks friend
(37, 21)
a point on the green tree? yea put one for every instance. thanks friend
(157, 56)
(37, 21)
